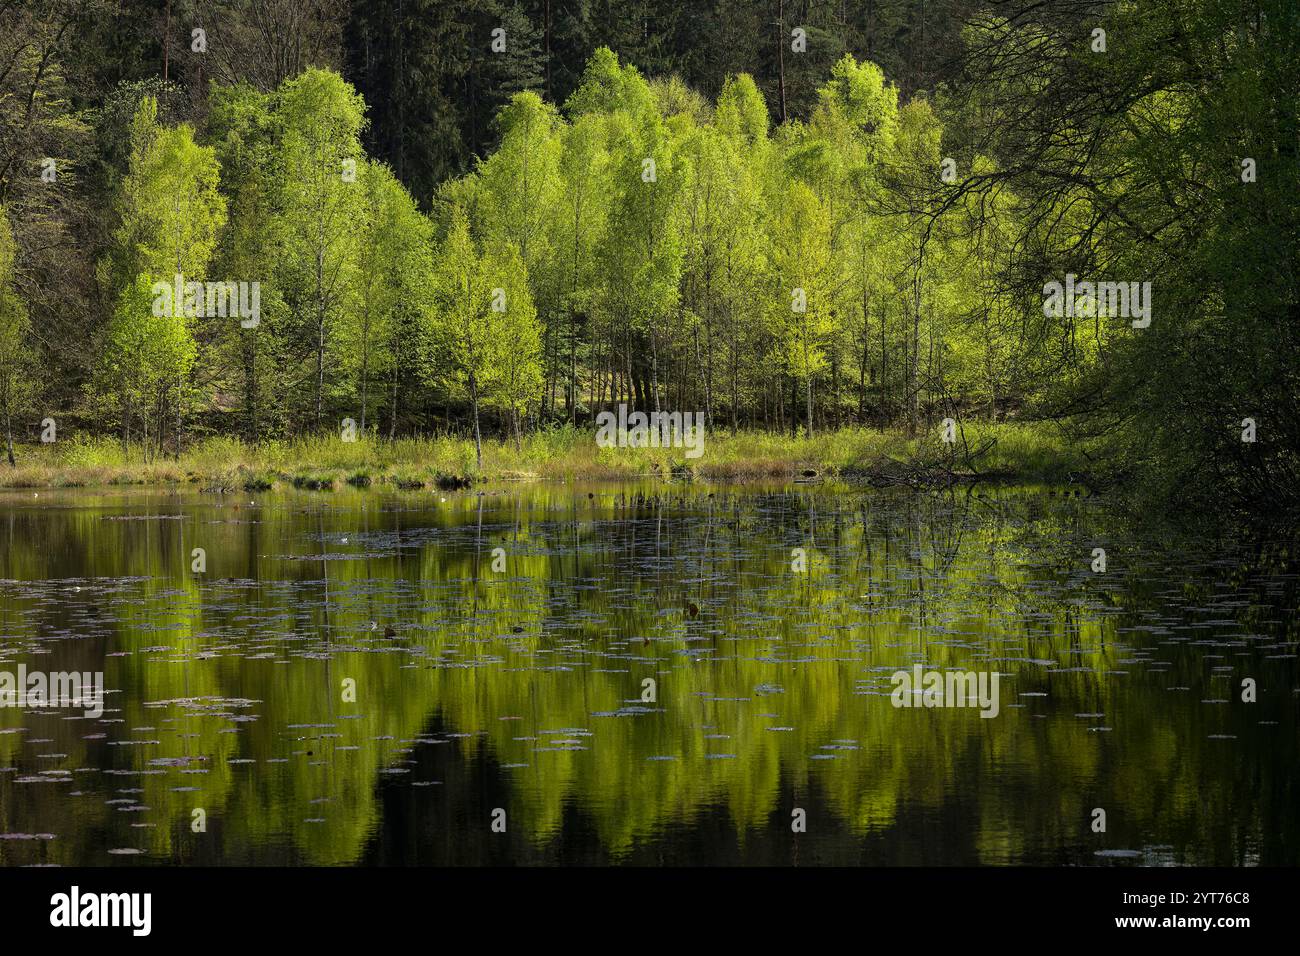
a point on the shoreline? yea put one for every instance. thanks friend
(335, 483)
(1006, 453)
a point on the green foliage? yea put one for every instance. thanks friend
(170, 213)
(317, 160)
(801, 259)
(648, 234)
(16, 371)
(482, 317)
(390, 282)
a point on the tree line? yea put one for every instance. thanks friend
(794, 218)
(641, 245)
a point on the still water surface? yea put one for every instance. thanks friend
(525, 689)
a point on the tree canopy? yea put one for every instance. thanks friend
(489, 215)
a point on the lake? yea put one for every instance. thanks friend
(657, 673)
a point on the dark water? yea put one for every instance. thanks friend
(522, 690)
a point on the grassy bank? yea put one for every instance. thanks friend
(1005, 451)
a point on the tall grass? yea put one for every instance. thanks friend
(562, 452)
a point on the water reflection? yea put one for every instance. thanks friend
(364, 678)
